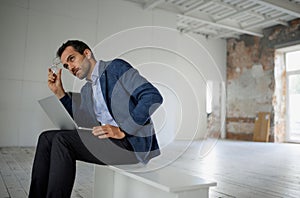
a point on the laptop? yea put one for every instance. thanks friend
(58, 114)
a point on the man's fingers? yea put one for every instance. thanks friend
(98, 131)
(59, 74)
(103, 136)
(102, 132)
(51, 76)
(108, 131)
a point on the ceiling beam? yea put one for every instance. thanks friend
(264, 22)
(152, 4)
(197, 7)
(251, 11)
(283, 6)
(282, 22)
(228, 27)
(236, 13)
(198, 29)
(206, 31)
(225, 35)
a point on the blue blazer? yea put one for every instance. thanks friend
(130, 99)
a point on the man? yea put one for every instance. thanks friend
(116, 102)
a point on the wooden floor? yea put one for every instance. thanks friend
(15, 173)
(241, 169)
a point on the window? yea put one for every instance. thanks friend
(292, 60)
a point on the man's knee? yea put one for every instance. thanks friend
(46, 137)
(62, 138)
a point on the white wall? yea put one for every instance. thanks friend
(31, 32)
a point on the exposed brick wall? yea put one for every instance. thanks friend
(250, 79)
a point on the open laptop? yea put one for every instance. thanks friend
(58, 114)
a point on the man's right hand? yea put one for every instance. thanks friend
(55, 83)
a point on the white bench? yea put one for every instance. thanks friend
(167, 182)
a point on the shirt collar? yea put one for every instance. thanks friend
(95, 73)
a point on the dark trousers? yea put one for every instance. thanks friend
(54, 166)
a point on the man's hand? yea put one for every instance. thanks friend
(55, 83)
(108, 131)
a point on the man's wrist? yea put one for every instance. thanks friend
(122, 134)
(60, 95)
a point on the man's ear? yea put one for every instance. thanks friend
(87, 53)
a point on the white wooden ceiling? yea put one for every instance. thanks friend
(227, 18)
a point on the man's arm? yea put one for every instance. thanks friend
(143, 94)
(55, 83)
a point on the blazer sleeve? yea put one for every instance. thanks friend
(71, 101)
(144, 97)
(67, 103)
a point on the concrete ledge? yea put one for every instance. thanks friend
(167, 182)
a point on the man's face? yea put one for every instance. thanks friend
(75, 62)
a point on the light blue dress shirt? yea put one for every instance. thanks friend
(100, 107)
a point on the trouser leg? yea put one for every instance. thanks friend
(62, 168)
(54, 166)
(41, 164)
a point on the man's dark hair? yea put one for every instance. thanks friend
(79, 46)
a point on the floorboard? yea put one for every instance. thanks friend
(241, 169)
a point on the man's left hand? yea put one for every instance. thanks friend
(108, 131)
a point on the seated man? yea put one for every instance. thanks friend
(116, 102)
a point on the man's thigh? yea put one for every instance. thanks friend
(108, 151)
(72, 143)
(88, 148)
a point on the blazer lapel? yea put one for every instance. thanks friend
(103, 80)
(87, 99)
